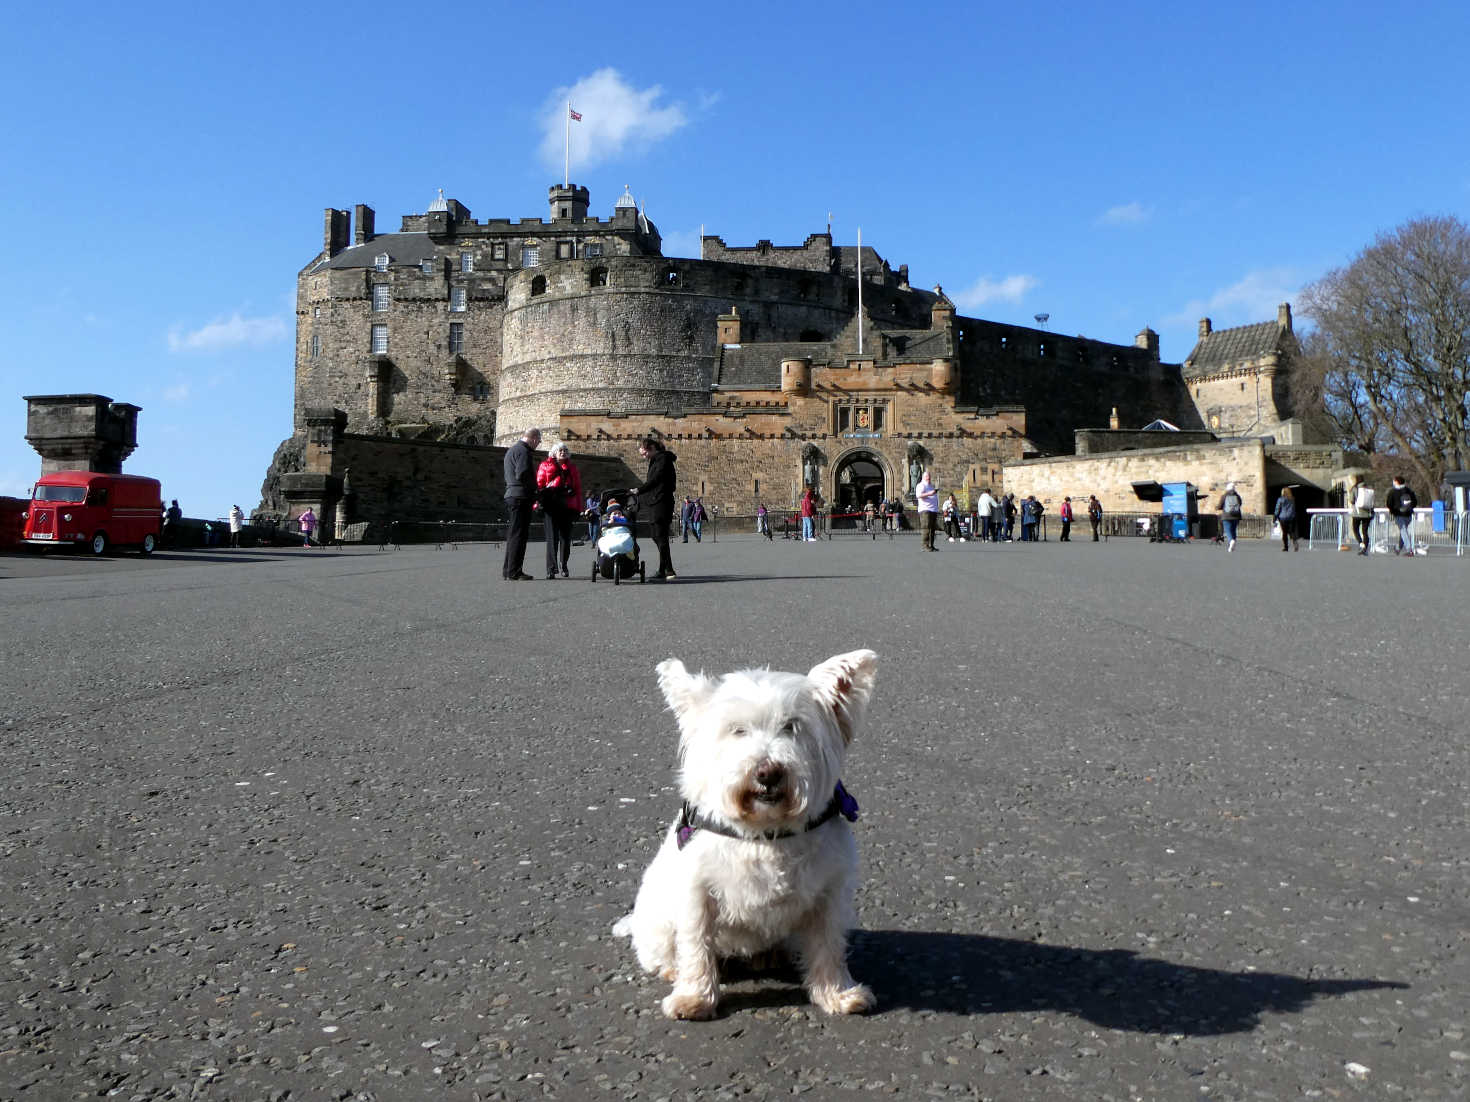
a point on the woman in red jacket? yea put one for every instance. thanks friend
(559, 490)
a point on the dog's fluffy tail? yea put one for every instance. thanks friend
(623, 927)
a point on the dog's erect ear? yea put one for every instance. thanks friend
(844, 683)
(684, 691)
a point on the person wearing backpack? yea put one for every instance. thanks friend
(1285, 514)
(1360, 508)
(1094, 514)
(1066, 514)
(1230, 510)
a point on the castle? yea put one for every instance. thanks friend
(421, 354)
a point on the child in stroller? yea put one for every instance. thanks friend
(617, 547)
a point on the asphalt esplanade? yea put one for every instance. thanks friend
(1139, 822)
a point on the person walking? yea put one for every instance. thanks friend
(763, 521)
(559, 490)
(807, 510)
(656, 500)
(307, 521)
(686, 507)
(1360, 508)
(869, 511)
(927, 497)
(171, 518)
(697, 517)
(1285, 514)
(237, 522)
(1065, 512)
(520, 496)
(594, 519)
(1094, 514)
(1008, 514)
(1230, 512)
(1401, 505)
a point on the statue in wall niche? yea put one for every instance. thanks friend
(810, 470)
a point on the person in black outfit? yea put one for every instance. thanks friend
(656, 499)
(520, 495)
(1402, 502)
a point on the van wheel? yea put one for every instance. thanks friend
(99, 543)
(148, 544)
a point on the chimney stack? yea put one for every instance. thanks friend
(1283, 316)
(1204, 328)
(337, 228)
(364, 225)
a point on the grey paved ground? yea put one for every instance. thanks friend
(1139, 822)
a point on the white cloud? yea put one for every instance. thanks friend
(615, 115)
(1126, 214)
(1011, 288)
(1252, 298)
(230, 332)
(177, 393)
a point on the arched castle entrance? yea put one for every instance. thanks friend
(858, 477)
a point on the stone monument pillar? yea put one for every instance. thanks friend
(81, 432)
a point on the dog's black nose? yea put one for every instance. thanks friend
(768, 774)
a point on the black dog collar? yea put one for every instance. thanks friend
(692, 819)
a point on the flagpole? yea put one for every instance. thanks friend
(700, 254)
(566, 147)
(860, 289)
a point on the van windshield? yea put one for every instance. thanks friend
(60, 493)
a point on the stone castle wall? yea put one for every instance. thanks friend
(1248, 398)
(418, 379)
(646, 338)
(1110, 477)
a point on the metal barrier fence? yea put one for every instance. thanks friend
(1333, 529)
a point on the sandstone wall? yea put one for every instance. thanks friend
(1110, 477)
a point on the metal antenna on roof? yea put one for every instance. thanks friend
(1042, 319)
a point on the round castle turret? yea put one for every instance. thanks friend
(627, 333)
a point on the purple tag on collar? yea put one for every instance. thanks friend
(684, 834)
(846, 804)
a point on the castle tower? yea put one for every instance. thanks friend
(568, 204)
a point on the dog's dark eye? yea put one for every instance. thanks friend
(738, 732)
(790, 727)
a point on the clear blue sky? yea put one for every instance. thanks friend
(1115, 166)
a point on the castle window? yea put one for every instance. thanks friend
(380, 262)
(538, 285)
(316, 346)
(878, 418)
(530, 256)
(565, 250)
(497, 251)
(1004, 342)
(316, 311)
(456, 338)
(456, 300)
(844, 419)
(427, 265)
(379, 344)
(1041, 349)
(593, 249)
(382, 297)
(480, 391)
(670, 277)
(597, 277)
(1242, 386)
(467, 262)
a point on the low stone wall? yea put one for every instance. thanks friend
(1111, 477)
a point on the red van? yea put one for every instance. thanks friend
(99, 510)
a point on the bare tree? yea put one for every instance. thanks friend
(1389, 358)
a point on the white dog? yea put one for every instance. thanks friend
(761, 856)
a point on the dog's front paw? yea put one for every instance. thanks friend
(857, 999)
(689, 1007)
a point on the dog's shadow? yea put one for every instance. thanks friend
(1112, 988)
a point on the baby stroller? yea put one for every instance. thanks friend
(617, 549)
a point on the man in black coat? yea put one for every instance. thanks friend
(520, 495)
(656, 499)
(1402, 502)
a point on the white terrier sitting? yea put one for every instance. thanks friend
(761, 856)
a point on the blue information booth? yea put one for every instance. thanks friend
(1178, 509)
